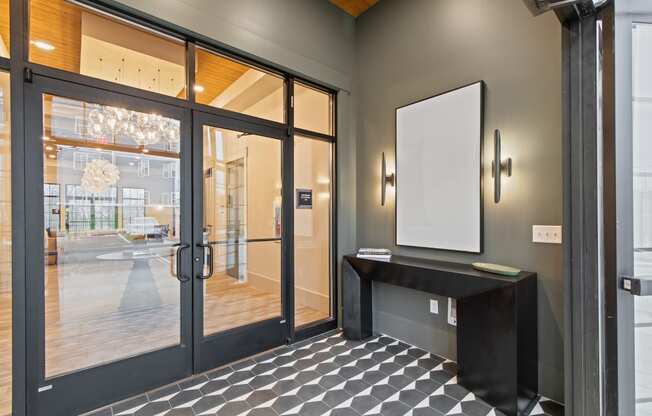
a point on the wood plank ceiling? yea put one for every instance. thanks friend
(354, 7)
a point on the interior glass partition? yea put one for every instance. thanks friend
(77, 39)
(111, 290)
(105, 294)
(242, 225)
(313, 109)
(5, 251)
(232, 85)
(312, 230)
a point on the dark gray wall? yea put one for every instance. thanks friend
(408, 50)
(310, 37)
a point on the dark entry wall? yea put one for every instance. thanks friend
(408, 50)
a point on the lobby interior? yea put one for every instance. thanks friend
(184, 186)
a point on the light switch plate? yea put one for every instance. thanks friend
(434, 306)
(549, 234)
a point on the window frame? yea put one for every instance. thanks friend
(192, 41)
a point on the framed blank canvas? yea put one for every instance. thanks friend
(439, 171)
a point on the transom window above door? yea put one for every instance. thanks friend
(77, 39)
(223, 82)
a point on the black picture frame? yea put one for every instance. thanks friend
(480, 168)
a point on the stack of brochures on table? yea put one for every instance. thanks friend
(374, 253)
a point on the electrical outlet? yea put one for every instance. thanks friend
(452, 312)
(434, 306)
(549, 234)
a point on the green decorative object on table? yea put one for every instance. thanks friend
(496, 268)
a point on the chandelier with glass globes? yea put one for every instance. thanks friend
(145, 129)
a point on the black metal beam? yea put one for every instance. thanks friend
(18, 52)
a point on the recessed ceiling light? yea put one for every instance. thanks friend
(41, 44)
(198, 88)
(52, 156)
(145, 150)
(48, 148)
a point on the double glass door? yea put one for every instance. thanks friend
(156, 239)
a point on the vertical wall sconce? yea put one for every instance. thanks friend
(499, 166)
(385, 180)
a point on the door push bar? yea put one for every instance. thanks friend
(636, 286)
(178, 273)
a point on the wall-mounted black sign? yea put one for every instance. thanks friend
(304, 198)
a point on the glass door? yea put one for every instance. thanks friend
(640, 325)
(625, 76)
(238, 239)
(109, 275)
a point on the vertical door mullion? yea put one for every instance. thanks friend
(197, 237)
(287, 252)
(35, 311)
(185, 235)
(19, 295)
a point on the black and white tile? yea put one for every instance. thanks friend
(328, 376)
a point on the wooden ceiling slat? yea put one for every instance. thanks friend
(4, 22)
(215, 73)
(59, 24)
(354, 7)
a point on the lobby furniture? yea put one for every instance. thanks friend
(51, 250)
(497, 343)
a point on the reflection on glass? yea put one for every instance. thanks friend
(111, 215)
(242, 221)
(73, 38)
(224, 83)
(313, 109)
(312, 231)
(4, 36)
(642, 131)
(5, 252)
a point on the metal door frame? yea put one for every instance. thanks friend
(95, 386)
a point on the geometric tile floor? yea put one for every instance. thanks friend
(328, 376)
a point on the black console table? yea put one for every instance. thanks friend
(497, 349)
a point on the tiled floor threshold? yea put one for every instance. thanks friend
(327, 375)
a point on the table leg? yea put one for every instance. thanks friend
(357, 321)
(141, 291)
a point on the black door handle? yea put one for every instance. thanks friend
(180, 275)
(210, 261)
